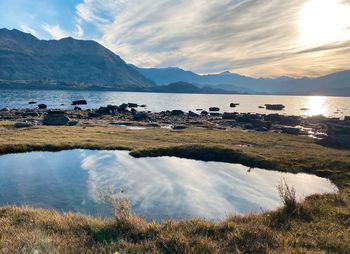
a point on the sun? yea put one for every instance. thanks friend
(324, 21)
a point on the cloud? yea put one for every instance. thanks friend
(55, 31)
(209, 35)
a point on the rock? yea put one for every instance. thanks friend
(214, 109)
(77, 108)
(244, 118)
(113, 108)
(215, 114)
(32, 114)
(104, 111)
(304, 109)
(32, 102)
(143, 106)
(261, 107)
(204, 113)
(5, 109)
(123, 106)
(140, 116)
(257, 123)
(192, 114)
(23, 125)
(199, 109)
(132, 105)
(248, 126)
(73, 123)
(177, 112)
(93, 114)
(55, 120)
(233, 105)
(347, 118)
(178, 127)
(42, 106)
(336, 141)
(55, 112)
(229, 115)
(274, 106)
(79, 102)
(337, 129)
(291, 130)
(285, 120)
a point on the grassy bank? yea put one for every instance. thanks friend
(320, 224)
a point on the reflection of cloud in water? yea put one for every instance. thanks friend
(171, 187)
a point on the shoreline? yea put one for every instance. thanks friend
(315, 224)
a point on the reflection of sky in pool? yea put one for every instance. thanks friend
(164, 187)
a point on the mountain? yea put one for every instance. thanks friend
(225, 80)
(335, 84)
(184, 87)
(24, 58)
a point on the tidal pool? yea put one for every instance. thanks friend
(158, 188)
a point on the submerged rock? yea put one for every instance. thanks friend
(274, 106)
(79, 102)
(214, 109)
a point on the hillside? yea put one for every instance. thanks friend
(24, 57)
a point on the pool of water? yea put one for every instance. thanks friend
(158, 188)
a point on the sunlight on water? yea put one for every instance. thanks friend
(316, 106)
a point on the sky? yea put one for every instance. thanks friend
(261, 38)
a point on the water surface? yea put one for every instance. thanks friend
(159, 188)
(156, 102)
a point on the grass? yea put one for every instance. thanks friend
(320, 224)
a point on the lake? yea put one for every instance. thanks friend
(156, 102)
(158, 188)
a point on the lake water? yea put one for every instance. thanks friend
(159, 188)
(156, 102)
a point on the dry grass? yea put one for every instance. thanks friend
(321, 224)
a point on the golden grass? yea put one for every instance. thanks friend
(321, 224)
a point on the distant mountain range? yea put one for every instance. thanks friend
(27, 62)
(337, 84)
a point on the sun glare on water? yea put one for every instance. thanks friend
(324, 21)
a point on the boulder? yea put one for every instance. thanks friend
(274, 106)
(55, 120)
(123, 106)
(23, 125)
(214, 109)
(132, 105)
(79, 102)
(233, 105)
(230, 116)
(336, 141)
(178, 127)
(140, 116)
(42, 106)
(93, 114)
(177, 112)
(32, 114)
(192, 114)
(104, 111)
(291, 130)
(204, 113)
(73, 123)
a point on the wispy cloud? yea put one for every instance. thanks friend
(206, 35)
(55, 31)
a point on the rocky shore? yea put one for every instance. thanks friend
(334, 132)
